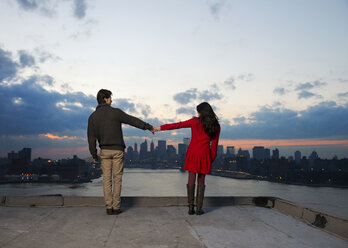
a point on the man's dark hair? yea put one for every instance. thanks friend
(103, 94)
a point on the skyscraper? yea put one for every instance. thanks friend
(220, 150)
(298, 157)
(162, 145)
(186, 141)
(275, 154)
(152, 147)
(230, 151)
(259, 153)
(25, 154)
(143, 150)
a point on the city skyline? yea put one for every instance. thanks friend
(275, 72)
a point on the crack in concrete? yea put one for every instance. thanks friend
(112, 228)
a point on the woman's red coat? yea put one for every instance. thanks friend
(202, 149)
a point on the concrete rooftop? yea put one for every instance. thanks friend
(158, 226)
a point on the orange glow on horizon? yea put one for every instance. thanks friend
(52, 136)
(250, 143)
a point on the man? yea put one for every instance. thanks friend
(105, 125)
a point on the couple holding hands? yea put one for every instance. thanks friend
(105, 126)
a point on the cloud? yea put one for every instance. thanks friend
(345, 94)
(186, 96)
(125, 104)
(194, 94)
(216, 8)
(46, 7)
(186, 110)
(246, 77)
(342, 80)
(80, 8)
(326, 119)
(230, 83)
(305, 94)
(28, 108)
(25, 59)
(208, 96)
(308, 85)
(44, 56)
(28, 4)
(144, 109)
(8, 68)
(279, 91)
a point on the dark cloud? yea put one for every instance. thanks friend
(305, 94)
(186, 96)
(28, 108)
(28, 4)
(308, 85)
(25, 59)
(323, 120)
(279, 91)
(186, 110)
(8, 68)
(80, 8)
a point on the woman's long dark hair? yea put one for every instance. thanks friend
(208, 119)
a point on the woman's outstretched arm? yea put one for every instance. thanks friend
(176, 125)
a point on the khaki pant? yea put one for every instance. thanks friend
(112, 166)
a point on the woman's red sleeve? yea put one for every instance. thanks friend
(214, 145)
(177, 125)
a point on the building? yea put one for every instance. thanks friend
(162, 147)
(143, 150)
(25, 154)
(186, 141)
(171, 153)
(267, 153)
(230, 151)
(182, 148)
(220, 150)
(243, 154)
(298, 157)
(275, 154)
(12, 155)
(152, 147)
(259, 153)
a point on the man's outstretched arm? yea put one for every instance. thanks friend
(134, 121)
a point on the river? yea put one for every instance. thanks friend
(147, 182)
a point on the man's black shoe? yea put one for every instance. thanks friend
(116, 211)
(109, 211)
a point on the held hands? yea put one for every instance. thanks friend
(155, 129)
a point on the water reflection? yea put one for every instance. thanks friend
(143, 182)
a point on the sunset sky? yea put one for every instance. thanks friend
(275, 71)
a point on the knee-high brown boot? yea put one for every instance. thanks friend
(199, 199)
(191, 199)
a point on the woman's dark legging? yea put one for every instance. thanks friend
(192, 179)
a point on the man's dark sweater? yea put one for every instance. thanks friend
(105, 125)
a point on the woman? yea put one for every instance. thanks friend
(205, 131)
